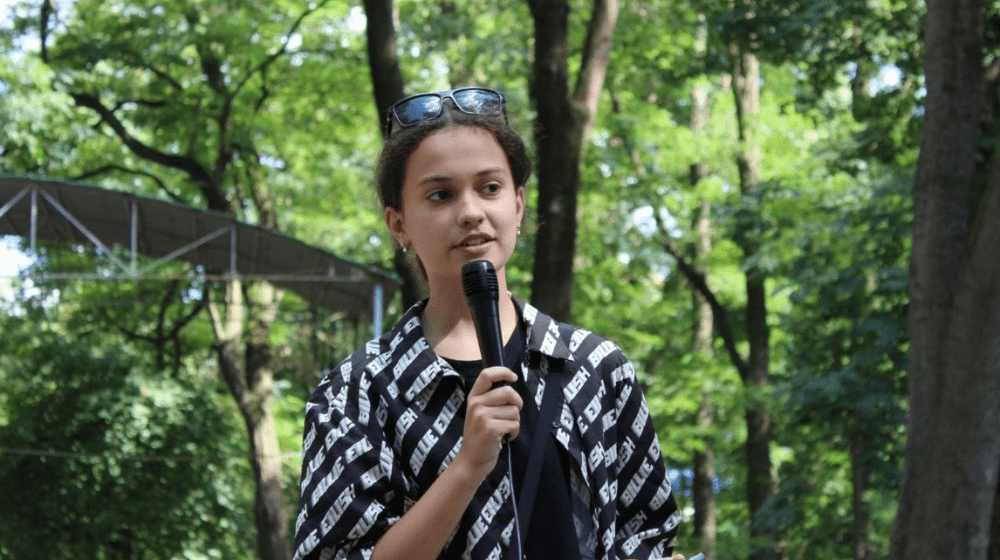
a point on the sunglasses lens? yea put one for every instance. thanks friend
(478, 101)
(418, 109)
(475, 101)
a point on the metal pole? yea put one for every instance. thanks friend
(34, 219)
(232, 252)
(10, 203)
(377, 309)
(83, 229)
(194, 244)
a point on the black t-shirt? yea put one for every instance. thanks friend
(552, 533)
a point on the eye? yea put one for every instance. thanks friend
(439, 195)
(491, 188)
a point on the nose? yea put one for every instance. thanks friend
(470, 210)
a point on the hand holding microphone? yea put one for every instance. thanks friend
(493, 410)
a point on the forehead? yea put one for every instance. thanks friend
(455, 151)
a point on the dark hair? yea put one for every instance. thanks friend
(391, 166)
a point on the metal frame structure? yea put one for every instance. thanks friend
(218, 245)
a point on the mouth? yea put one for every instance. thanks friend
(474, 241)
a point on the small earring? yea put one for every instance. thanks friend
(405, 249)
(519, 230)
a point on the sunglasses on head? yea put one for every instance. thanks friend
(416, 109)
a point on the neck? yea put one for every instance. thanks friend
(447, 321)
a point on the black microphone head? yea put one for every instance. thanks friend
(479, 281)
(482, 294)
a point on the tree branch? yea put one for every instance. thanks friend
(198, 174)
(284, 46)
(213, 72)
(593, 69)
(719, 312)
(165, 77)
(143, 102)
(183, 321)
(112, 167)
(43, 28)
(210, 65)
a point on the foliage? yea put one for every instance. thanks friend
(104, 456)
(823, 218)
(846, 388)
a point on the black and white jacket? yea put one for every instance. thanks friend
(382, 425)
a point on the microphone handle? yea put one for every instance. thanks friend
(490, 337)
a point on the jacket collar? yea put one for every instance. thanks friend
(410, 364)
(543, 332)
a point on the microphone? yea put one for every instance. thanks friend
(482, 293)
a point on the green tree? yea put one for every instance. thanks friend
(106, 456)
(846, 393)
(566, 114)
(810, 142)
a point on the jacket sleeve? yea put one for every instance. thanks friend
(351, 489)
(648, 518)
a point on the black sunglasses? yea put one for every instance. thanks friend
(416, 109)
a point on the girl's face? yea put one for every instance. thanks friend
(459, 202)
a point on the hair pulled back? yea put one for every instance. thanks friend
(391, 166)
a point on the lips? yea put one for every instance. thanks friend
(474, 241)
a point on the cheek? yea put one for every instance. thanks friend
(424, 229)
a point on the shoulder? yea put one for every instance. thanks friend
(359, 364)
(359, 371)
(592, 350)
(580, 348)
(561, 340)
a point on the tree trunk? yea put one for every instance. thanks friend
(705, 524)
(387, 87)
(761, 477)
(383, 58)
(994, 553)
(948, 499)
(754, 369)
(560, 134)
(558, 171)
(241, 336)
(860, 480)
(270, 513)
(251, 384)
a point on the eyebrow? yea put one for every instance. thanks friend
(446, 178)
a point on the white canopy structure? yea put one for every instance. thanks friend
(220, 246)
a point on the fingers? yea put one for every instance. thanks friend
(494, 410)
(492, 416)
(492, 376)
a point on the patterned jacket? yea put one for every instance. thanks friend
(384, 423)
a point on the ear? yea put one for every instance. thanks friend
(394, 221)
